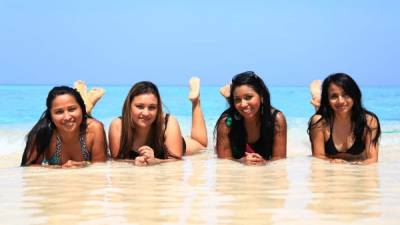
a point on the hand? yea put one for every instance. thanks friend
(141, 161)
(253, 159)
(338, 161)
(75, 164)
(146, 151)
(357, 163)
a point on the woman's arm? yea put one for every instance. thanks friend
(99, 146)
(223, 146)
(32, 154)
(371, 149)
(173, 139)
(317, 138)
(280, 137)
(114, 137)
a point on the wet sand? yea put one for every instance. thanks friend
(204, 190)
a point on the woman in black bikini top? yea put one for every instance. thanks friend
(250, 131)
(342, 129)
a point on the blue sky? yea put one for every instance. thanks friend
(122, 42)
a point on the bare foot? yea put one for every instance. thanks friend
(89, 98)
(95, 94)
(225, 90)
(81, 87)
(315, 90)
(194, 88)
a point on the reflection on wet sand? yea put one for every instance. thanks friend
(198, 191)
(202, 190)
(253, 194)
(60, 195)
(344, 192)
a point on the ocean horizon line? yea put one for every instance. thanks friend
(186, 85)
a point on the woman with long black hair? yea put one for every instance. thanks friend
(250, 130)
(65, 134)
(342, 129)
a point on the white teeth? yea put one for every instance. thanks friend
(247, 111)
(69, 124)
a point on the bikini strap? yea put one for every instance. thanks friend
(57, 159)
(331, 130)
(166, 122)
(274, 113)
(84, 151)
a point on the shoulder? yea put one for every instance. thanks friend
(224, 123)
(94, 124)
(317, 118)
(317, 121)
(171, 121)
(172, 129)
(116, 124)
(279, 121)
(372, 120)
(279, 117)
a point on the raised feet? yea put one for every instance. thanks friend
(95, 94)
(225, 90)
(81, 87)
(194, 89)
(89, 98)
(315, 90)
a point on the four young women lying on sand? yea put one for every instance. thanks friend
(250, 131)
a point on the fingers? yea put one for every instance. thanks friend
(74, 164)
(146, 151)
(253, 159)
(141, 161)
(338, 161)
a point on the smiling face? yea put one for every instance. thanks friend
(144, 108)
(66, 113)
(339, 100)
(247, 101)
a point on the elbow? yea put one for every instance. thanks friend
(319, 156)
(278, 157)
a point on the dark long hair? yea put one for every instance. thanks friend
(156, 136)
(38, 138)
(238, 134)
(358, 112)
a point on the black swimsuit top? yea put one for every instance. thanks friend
(356, 149)
(134, 154)
(258, 146)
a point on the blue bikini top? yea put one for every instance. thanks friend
(55, 159)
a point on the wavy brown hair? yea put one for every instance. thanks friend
(156, 136)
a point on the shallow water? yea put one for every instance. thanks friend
(204, 190)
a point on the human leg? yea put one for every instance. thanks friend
(315, 90)
(198, 137)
